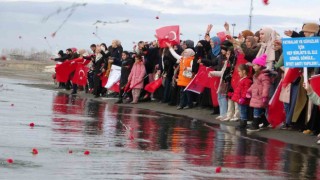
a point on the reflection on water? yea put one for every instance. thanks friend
(131, 143)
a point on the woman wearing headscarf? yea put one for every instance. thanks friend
(250, 48)
(267, 38)
(185, 75)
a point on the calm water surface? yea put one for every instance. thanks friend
(131, 143)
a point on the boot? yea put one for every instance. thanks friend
(74, 89)
(255, 125)
(242, 125)
(265, 122)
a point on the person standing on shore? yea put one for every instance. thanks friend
(259, 92)
(239, 95)
(98, 63)
(126, 66)
(185, 75)
(135, 78)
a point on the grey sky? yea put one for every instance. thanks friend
(23, 19)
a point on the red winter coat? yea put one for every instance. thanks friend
(241, 90)
(259, 89)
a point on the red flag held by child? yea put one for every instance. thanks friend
(194, 86)
(214, 85)
(202, 77)
(115, 87)
(104, 79)
(153, 86)
(168, 34)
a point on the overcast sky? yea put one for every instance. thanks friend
(24, 19)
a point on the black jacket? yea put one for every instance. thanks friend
(168, 63)
(63, 57)
(116, 53)
(126, 66)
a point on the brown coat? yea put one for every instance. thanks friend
(301, 102)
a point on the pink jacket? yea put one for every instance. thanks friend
(136, 75)
(259, 90)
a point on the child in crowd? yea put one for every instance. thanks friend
(259, 92)
(239, 95)
(135, 78)
(222, 88)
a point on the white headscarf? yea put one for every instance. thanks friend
(188, 53)
(267, 46)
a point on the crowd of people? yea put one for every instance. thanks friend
(250, 68)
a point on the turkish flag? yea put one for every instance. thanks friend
(115, 87)
(276, 113)
(170, 34)
(291, 75)
(80, 75)
(214, 85)
(153, 86)
(194, 86)
(202, 77)
(315, 83)
(64, 70)
(104, 79)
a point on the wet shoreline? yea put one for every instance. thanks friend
(42, 80)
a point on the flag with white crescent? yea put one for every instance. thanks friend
(170, 34)
(80, 75)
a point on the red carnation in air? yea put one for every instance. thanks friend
(265, 2)
(35, 151)
(31, 124)
(10, 161)
(86, 152)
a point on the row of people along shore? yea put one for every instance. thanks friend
(244, 89)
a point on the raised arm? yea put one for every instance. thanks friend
(174, 54)
(207, 35)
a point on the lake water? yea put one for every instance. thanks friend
(131, 143)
